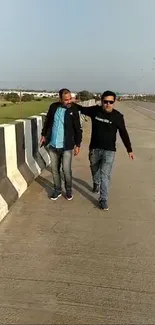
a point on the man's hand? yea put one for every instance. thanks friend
(76, 151)
(131, 155)
(42, 140)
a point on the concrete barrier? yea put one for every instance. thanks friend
(29, 159)
(21, 158)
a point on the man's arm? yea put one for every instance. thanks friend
(124, 135)
(77, 128)
(88, 111)
(45, 129)
(47, 121)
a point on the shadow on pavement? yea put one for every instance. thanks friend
(85, 194)
(83, 183)
(48, 186)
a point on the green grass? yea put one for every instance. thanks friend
(2, 101)
(22, 110)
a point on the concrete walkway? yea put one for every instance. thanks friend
(70, 263)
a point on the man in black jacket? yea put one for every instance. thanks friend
(62, 132)
(105, 123)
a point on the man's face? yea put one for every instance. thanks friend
(66, 100)
(108, 103)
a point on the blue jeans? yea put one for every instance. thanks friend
(59, 156)
(101, 162)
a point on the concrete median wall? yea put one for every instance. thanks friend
(21, 158)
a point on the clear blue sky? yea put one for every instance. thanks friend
(91, 44)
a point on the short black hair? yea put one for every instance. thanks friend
(63, 91)
(108, 93)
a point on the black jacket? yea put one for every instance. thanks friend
(72, 126)
(104, 128)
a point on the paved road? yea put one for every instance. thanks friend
(70, 263)
(145, 108)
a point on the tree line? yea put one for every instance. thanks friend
(86, 95)
(15, 98)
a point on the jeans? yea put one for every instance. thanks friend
(59, 156)
(101, 162)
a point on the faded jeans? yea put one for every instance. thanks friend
(101, 163)
(59, 156)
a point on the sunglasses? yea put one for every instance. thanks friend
(108, 101)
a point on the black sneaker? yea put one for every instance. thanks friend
(69, 195)
(55, 195)
(103, 205)
(96, 188)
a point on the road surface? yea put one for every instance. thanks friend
(70, 263)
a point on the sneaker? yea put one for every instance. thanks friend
(55, 195)
(103, 205)
(96, 188)
(69, 196)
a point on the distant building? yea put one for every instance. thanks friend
(36, 94)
